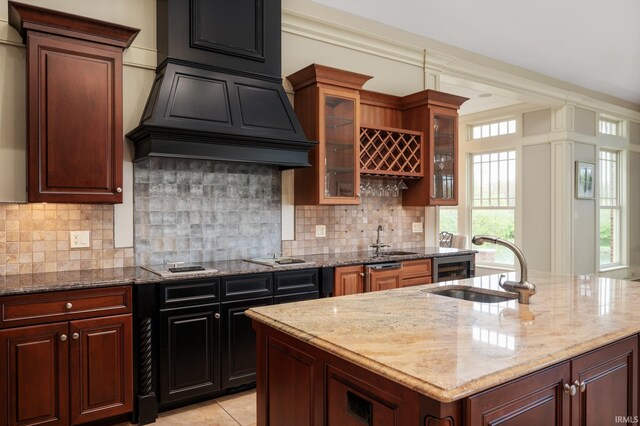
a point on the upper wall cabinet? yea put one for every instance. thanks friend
(435, 114)
(74, 98)
(327, 102)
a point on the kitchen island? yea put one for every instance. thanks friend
(410, 357)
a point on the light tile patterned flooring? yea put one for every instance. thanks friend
(231, 410)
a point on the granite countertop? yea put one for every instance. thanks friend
(447, 348)
(54, 281)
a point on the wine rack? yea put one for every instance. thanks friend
(385, 151)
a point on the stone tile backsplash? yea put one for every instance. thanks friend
(34, 238)
(353, 228)
(203, 211)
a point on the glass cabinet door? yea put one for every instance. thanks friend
(339, 140)
(443, 148)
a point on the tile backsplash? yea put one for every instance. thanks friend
(353, 228)
(35, 238)
(202, 211)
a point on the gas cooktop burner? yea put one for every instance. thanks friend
(178, 268)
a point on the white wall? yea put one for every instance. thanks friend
(584, 219)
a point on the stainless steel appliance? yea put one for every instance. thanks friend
(449, 268)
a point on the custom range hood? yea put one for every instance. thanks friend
(218, 90)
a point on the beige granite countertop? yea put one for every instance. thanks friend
(447, 348)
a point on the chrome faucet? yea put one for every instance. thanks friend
(523, 288)
(378, 244)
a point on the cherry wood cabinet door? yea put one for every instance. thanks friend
(607, 382)
(348, 280)
(537, 399)
(384, 279)
(34, 389)
(75, 120)
(101, 362)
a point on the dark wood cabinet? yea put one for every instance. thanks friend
(101, 368)
(189, 352)
(537, 399)
(74, 120)
(239, 342)
(34, 384)
(607, 384)
(77, 370)
(348, 280)
(591, 389)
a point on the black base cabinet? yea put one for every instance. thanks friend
(239, 356)
(206, 343)
(189, 352)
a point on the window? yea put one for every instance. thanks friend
(498, 128)
(493, 193)
(609, 127)
(609, 196)
(448, 219)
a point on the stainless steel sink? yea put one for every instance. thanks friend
(472, 295)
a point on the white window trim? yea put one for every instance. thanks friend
(623, 212)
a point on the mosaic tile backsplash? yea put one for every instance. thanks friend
(34, 238)
(204, 211)
(353, 228)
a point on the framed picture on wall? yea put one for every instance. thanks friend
(585, 180)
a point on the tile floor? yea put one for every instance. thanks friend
(231, 410)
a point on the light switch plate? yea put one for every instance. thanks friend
(321, 231)
(416, 227)
(79, 239)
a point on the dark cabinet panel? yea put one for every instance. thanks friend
(295, 281)
(34, 389)
(297, 297)
(537, 399)
(189, 293)
(607, 383)
(102, 368)
(189, 353)
(239, 342)
(247, 286)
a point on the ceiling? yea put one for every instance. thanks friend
(590, 43)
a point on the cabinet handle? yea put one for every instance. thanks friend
(216, 315)
(68, 305)
(571, 390)
(362, 274)
(63, 337)
(118, 190)
(582, 386)
(75, 336)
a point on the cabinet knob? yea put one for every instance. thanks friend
(63, 337)
(217, 316)
(75, 336)
(582, 386)
(68, 305)
(569, 389)
(362, 274)
(118, 190)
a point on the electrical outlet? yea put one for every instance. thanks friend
(79, 239)
(416, 227)
(321, 231)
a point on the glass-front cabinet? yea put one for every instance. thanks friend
(443, 146)
(339, 148)
(327, 102)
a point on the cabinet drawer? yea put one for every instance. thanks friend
(416, 268)
(295, 281)
(246, 286)
(408, 282)
(310, 295)
(190, 293)
(64, 305)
